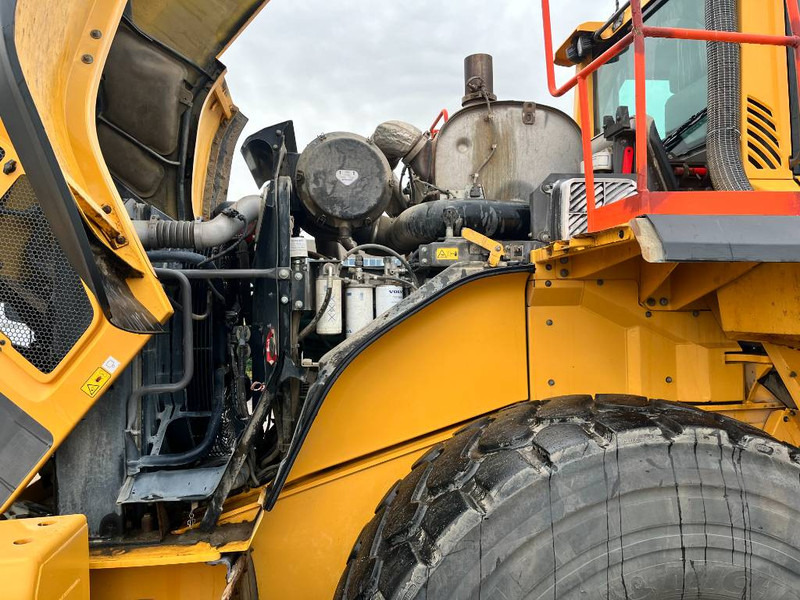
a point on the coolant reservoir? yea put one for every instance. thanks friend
(359, 307)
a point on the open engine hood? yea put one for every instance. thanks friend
(199, 29)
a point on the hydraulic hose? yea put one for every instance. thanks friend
(723, 140)
(425, 223)
(200, 235)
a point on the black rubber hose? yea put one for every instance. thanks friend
(425, 223)
(168, 255)
(724, 137)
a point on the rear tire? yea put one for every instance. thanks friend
(606, 498)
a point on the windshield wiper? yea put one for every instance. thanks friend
(675, 138)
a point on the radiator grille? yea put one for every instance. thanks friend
(607, 191)
(44, 309)
(763, 145)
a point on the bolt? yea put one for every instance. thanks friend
(298, 275)
(298, 304)
(96, 34)
(283, 273)
(549, 267)
(10, 167)
(2, 342)
(648, 314)
(87, 58)
(564, 260)
(668, 380)
(424, 261)
(279, 132)
(663, 302)
(549, 322)
(498, 248)
(793, 374)
(621, 233)
(284, 300)
(695, 313)
(564, 272)
(548, 283)
(106, 209)
(651, 302)
(600, 282)
(121, 239)
(785, 419)
(551, 382)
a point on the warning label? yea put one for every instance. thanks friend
(447, 254)
(96, 382)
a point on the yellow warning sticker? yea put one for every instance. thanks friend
(447, 254)
(96, 382)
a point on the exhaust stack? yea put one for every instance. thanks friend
(478, 79)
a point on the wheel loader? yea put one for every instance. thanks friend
(515, 355)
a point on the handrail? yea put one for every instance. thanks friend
(636, 37)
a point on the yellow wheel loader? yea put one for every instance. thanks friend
(523, 355)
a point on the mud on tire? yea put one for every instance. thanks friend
(591, 498)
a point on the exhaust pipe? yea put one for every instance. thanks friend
(478, 79)
(425, 223)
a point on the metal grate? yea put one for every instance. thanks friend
(573, 194)
(44, 309)
(763, 146)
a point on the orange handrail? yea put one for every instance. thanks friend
(443, 114)
(636, 37)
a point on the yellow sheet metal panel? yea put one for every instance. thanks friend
(63, 83)
(460, 357)
(45, 558)
(589, 337)
(179, 582)
(63, 76)
(763, 304)
(217, 110)
(302, 545)
(766, 126)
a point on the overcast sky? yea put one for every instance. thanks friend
(348, 65)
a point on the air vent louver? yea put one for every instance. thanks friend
(763, 146)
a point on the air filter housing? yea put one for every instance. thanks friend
(344, 182)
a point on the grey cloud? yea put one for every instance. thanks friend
(350, 64)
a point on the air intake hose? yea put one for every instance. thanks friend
(723, 140)
(199, 235)
(425, 223)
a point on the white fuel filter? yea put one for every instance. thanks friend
(386, 296)
(359, 310)
(330, 323)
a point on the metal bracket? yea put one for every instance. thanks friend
(495, 248)
(529, 113)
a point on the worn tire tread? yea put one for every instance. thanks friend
(418, 521)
